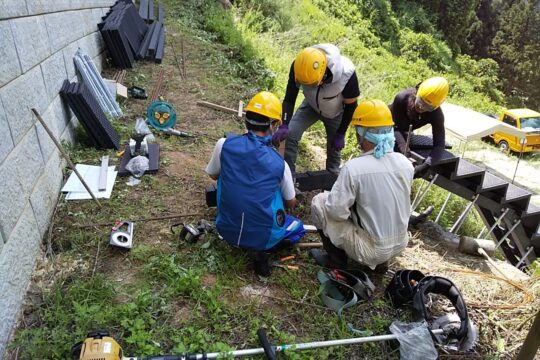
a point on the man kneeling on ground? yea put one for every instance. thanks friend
(255, 185)
(365, 215)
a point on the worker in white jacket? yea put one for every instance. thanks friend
(365, 215)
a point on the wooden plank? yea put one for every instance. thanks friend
(218, 107)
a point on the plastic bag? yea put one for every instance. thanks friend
(138, 165)
(142, 128)
(415, 342)
(133, 181)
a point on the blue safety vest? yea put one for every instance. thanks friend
(250, 207)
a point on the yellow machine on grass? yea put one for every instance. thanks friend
(524, 119)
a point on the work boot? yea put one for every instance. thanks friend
(333, 257)
(261, 262)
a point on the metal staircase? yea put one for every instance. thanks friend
(505, 208)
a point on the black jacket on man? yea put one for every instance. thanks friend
(404, 115)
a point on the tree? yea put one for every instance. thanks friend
(516, 47)
(456, 19)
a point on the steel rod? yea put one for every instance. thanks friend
(443, 207)
(481, 232)
(463, 216)
(66, 156)
(508, 233)
(420, 189)
(408, 140)
(525, 256)
(497, 222)
(519, 159)
(415, 205)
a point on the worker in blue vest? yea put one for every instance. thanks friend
(255, 185)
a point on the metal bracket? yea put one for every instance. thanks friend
(122, 235)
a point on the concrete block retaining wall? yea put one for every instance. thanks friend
(38, 39)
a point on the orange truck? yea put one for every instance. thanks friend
(524, 119)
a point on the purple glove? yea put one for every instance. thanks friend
(338, 142)
(280, 135)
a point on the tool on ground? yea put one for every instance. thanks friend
(161, 115)
(138, 92)
(138, 145)
(100, 345)
(341, 289)
(411, 287)
(280, 263)
(171, 131)
(122, 234)
(65, 155)
(191, 233)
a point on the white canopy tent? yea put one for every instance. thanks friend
(467, 124)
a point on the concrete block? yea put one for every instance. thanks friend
(96, 18)
(88, 21)
(46, 191)
(69, 52)
(6, 142)
(19, 96)
(10, 67)
(36, 7)
(69, 132)
(11, 8)
(62, 114)
(92, 44)
(17, 261)
(46, 145)
(31, 40)
(54, 74)
(12, 197)
(64, 28)
(27, 160)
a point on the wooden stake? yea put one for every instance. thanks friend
(66, 156)
(218, 107)
(309, 245)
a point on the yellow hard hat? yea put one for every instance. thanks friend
(266, 104)
(433, 92)
(372, 113)
(310, 66)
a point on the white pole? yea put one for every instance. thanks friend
(305, 346)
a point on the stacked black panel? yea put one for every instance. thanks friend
(123, 31)
(153, 45)
(92, 118)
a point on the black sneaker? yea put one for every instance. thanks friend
(261, 262)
